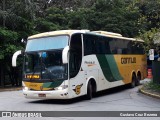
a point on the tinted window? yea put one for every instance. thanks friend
(89, 44)
(120, 46)
(137, 48)
(104, 45)
(96, 44)
(75, 58)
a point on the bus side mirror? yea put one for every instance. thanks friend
(14, 58)
(65, 55)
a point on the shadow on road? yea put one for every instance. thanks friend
(82, 98)
(112, 91)
(59, 101)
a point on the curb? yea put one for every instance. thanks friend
(148, 93)
(10, 89)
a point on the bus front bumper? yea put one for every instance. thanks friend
(54, 94)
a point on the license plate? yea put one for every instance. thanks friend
(41, 95)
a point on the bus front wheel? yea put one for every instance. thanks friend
(89, 91)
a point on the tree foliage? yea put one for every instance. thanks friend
(150, 37)
(131, 18)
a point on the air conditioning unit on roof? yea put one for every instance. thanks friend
(108, 33)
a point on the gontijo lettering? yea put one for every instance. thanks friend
(128, 60)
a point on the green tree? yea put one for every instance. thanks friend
(150, 37)
(150, 13)
(115, 16)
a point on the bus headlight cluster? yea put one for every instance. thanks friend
(61, 87)
(25, 88)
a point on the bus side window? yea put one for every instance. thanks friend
(124, 51)
(89, 44)
(113, 46)
(108, 50)
(102, 45)
(124, 46)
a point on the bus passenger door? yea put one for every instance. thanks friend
(76, 74)
(77, 86)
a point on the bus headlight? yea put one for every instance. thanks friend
(61, 87)
(25, 88)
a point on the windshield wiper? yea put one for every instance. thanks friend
(50, 76)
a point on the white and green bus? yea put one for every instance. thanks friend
(70, 63)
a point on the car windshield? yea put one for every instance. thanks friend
(47, 43)
(46, 64)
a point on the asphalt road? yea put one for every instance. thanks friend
(117, 99)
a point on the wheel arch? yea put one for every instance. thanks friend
(132, 73)
(93, 83)
(139, 73)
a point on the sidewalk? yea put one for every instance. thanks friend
(10, 88)
(147, 91)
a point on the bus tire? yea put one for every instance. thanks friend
(133, 83)
(138, 79)
(89, 91)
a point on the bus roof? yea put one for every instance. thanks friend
(108, 33)
(59, 32)
(115, 35)
(69, 32)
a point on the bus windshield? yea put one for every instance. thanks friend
(47, 65)
(43, 58)
(47, 43)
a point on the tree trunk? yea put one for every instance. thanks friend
(1, 75)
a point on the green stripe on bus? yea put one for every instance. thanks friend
(54, 84)
(109, 67)
(113, 66)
